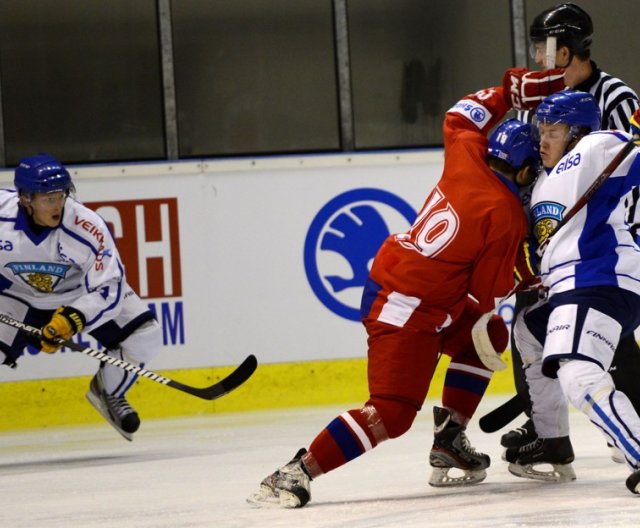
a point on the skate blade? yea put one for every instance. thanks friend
(440, 477)
(266, 498)
(260, 500)
(99, 406)
(558, 473)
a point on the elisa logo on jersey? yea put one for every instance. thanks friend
(546, 216)
(342, 241)
(146, 235)
(40, 276)
(568, 162)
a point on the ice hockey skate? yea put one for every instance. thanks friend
(556, 452)
(116, 411)
(633, 482)
(519, 436)
(288, 487)
(451, 449)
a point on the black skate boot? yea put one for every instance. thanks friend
(633, 482)
(557, 452)
(288, 487)
(451, 449)
(520, 436)
(116, 411)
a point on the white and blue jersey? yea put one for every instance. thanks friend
(597, 246)
(75, 264)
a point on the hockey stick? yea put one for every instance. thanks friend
(241, 374)
(501, 416)
(582, 201)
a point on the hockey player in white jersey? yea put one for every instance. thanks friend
(591, 270)
(569, 30)
(60, 271)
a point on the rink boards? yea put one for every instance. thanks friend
(61, 401)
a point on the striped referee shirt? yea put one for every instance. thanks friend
(616, 100)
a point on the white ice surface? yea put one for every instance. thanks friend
(197, 472)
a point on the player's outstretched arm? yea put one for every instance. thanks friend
(525, 89)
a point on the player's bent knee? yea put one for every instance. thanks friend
(396, 416)
(581, 378)
(145, 343)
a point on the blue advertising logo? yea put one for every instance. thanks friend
(342, 241)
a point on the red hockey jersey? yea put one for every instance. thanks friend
(465, 238)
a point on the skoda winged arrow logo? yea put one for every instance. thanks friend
(342, 241)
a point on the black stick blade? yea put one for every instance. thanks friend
(241, 374)
(501, 416)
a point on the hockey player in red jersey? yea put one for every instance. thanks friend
(426, 289)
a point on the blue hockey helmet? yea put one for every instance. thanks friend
(579, 110)
(41, 173)
(515, 143)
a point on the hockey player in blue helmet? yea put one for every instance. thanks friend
(563, 119)
(43, 185)
(590, 271)
(515, 144)
(63, 274)
(562, 36)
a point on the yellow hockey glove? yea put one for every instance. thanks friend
(66, 322)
